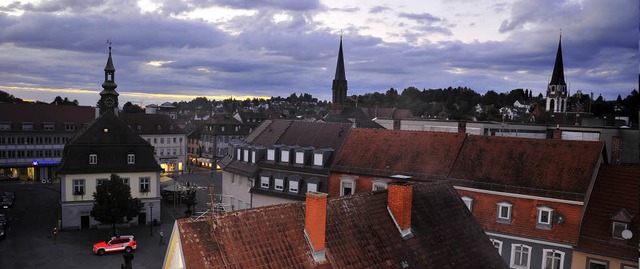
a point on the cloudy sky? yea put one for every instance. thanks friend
(172, 50)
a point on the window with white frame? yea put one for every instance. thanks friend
(545, 214)
(93, 158)
(347, 187)
(497, 244)
(293, 186)
(271, 155)
(49, 126)
(239, 154)
(245, 156)
(131, 158)
(264, 182)
(78, 187)
(617, 229)
(378, 185)
(284, 156)
(312, 187)
(125, 180)
(278, 184)
(520, 256)
(552, 259)
(318, 159)
(597, 264)
(504, 212)
(100, 181)
(253, 156)
(468, 201)
(299, 157)
(145, 184)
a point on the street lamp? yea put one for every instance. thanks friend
(151, 219)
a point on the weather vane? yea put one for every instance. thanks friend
(109, 42)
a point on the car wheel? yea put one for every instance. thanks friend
(127, 250)
(100, 252)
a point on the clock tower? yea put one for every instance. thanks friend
(109, 96)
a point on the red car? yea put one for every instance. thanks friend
(116, 243)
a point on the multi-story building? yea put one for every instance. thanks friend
(32, 137)
(529, 195)
(167, 138)
(107, 146)
(408, 226)
(215, 135)
(280, 161)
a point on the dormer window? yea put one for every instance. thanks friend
(28, 126)
(312, 187)
(271, 155)
(504, 212)
(69, 127)
(284, 156)
(49, 126)
(131, 158)
(468, 201)
(300, 157)
(264, 182)
(617, 228)
(93, 158)
(246, 155)
(318, 159)
(545, 214)
(239, 154)
(378, 185)
(293, 186)
(5, 126)
(347, 186)
(279, 184)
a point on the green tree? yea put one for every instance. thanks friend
(131, 108)
(112, 203)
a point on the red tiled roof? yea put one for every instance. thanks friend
(616, 188)
(562, 166)
(360, 234)
(390, 152)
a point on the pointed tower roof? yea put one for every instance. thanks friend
(557, 78)
(340, 74)
(109, 66)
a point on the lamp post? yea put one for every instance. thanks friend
(151, 219)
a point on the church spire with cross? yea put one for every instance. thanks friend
(109, 96)
(557, 88)
(339, 89)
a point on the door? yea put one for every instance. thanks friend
(84, 222)
(142, 218)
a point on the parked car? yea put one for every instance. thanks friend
(4, 219)
(6, 202)
(9, 194)
(126, 243)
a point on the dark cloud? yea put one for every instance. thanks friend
(378, 9)
(421, 18)
(293, 5)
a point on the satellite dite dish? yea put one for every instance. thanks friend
(627, 234)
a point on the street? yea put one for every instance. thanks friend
(30, 242)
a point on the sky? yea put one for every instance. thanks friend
(177, 50)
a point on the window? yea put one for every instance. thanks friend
(497, 244)
(131, 158)
(69, 127)
(379, 185)
(145, 184)
(27, 126)
(299, 157)
(552, 259)
(49, 126)
(597, 264)
(618, 227)
(78, 187)
(284, 156)
(347, 187)
(100, 181)
(93, 158)
(520, 256)
(293, 186)
(125, 180)
(264, 182)
(312, 187)
(318, 159)
(271, 155)
(545, 214)
(246, 155)
(468, 201)
(5, 126)
(504, 212)
(279, 184)
(238, 154)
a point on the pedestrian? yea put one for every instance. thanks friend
(161, 237)
(55, 233)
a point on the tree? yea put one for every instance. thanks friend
(112, 202)
(190, 199)
(131, 108)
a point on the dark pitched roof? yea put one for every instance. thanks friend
(340, 73)
(360, 234)
(391, 152)
(44, 113)
(616, 190)
(112, 141)
(347, 114)
(560, 168)
(557, 78)
(146, 124)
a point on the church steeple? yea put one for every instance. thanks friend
(557, 88)
(339, 88)
(109, 96)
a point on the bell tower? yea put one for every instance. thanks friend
(557, 89)
(109, 96)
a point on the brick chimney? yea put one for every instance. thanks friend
(399, 204)
(616, 150)
(315, 224)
